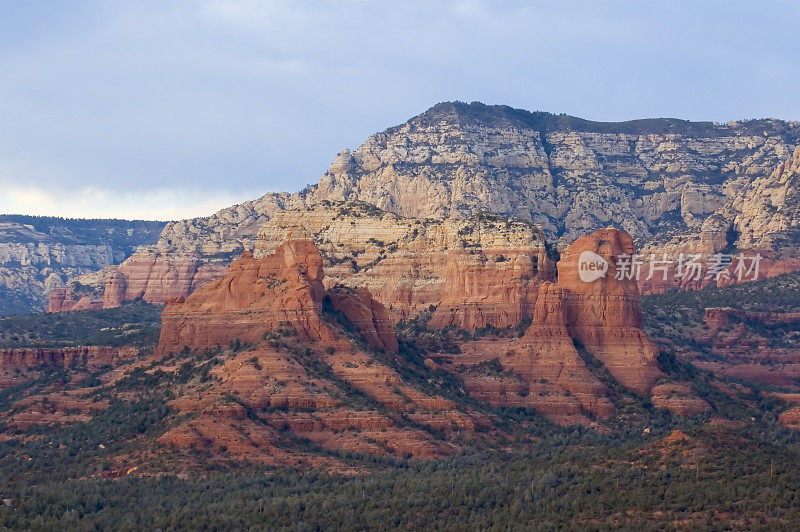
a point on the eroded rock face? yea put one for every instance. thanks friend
(147, 275)
(745, 347)
(678, 398)
(541, 370)
(790, 418)
(760, 216)
(605, 315)
(766, 210)
(544, 368)
(301, 367)
(279, 291)
(652, 178)
(92, 356)
(407, 264)
(570, 176)
(40, 253)
(254, 297)
(476, 271)
(367, 315)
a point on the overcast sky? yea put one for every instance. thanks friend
(165, 110)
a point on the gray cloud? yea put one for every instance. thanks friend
(228, 98)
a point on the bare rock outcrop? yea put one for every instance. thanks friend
(605, 315)
(283, 290)
(476, 271)
(38, 254)
(92, 357)
(652, 178)
(367, 315)
(253, 298)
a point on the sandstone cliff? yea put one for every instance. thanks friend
(38, 254)
(544, 368)
(407, 264)
(257, 297)
(301, 368)
(605, 315)
(92, 357)
(475, 270)
(652, 178)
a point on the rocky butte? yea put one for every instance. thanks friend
(299, 367)
(545, 368)
(258, 296)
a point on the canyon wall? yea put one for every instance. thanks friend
(671, 184)
(40, 253)
(284, 294)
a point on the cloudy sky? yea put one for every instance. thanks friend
(164, 110)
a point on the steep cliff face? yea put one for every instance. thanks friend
(92, 356)
(147, 275)
(258, 297)
(568, 175)
(605, 314)
(476, 270)
(541, 370)
(302, 369)
(652, 178)
(407, 264)
(255, 297)
(41, 253)
(761, 216)
(544, 368)
(766, 210)
(366, 314)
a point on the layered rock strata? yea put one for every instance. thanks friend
(653, 178)
(545, 368)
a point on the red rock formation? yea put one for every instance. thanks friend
(553, 354)
(745, 345)
(93, 356)
(542, 370)
(56, 300)
(154, 277)
(491, 289)
(255, 297)
(147, 275)
(115, 290)
(261, 295)
(769, 266)
(367, 315)
(63, 300)
(790, 418)
(605, 315)
(678, 399)
(717, 317)
(285, 291)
